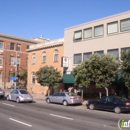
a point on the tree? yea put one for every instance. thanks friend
(125, 66)
(48, 76)
(99, 70)
(23, 76)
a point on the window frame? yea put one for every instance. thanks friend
(88, 29)
(11, 60)
(120, 24)
(18, 47)
(44, 57)
(33, 78)
(87, 53)
(80, 38)
(112, 23)
(99, 26)
(33, 58)
(74, 58)
(112, 54)
(96, 52)
(12, 48)
(1, 43)
(56, 55)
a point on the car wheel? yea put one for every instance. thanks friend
(17, 100)
(91, 107)
(48, 100)
(8, 98)
(65, 103)
(117, 110)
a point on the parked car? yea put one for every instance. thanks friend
(111, 103)
(19, 95)
(2, 93)
(64, 98)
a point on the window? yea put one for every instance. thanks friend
(99, 52)
(1, 59)
(11, 60)
(112, 27)
(12, 46)
(33, 59)
(1, 45)
(126, 49)
(56, 94)
(18, 60)
(33, 78)
(86, 55)
(44, 57)
(77, 58)
(87, 33)
(78, 35)
(98, 31)
(125, 25)
(27, 47)
(55, 55)
(114, 52)
(18, 47)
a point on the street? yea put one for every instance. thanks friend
(43, 116)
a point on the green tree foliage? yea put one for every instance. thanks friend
(48, 76)
(125, 66)
(99, 70)
(23, 76)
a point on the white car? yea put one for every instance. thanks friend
(19, 95)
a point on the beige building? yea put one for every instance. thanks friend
(42, 54)
(107, 35)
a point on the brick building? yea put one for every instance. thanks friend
(10, 48)
(42, 54)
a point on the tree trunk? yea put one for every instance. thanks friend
(82, 94)
(49, 91)
(106, 91)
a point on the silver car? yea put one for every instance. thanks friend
(64, 98)
(19, 95)
(2, 93)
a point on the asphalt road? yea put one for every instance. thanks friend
(42, 116)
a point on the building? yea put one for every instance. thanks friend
(10, 48)
(106, 35)
(42, 54)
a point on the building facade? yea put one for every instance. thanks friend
(12, 52)
(106, 35)
(40, 55)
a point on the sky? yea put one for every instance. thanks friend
(49, 18)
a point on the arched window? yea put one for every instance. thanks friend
(55, 55)
(33, 59)
(1, 45)
(44, 57)
(33, 78)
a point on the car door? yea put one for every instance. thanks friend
(110, 103)
(101, 103)
(55, 97)
(16, 94)
(11, 95)
(61, 97)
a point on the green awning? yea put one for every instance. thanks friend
(68, 77)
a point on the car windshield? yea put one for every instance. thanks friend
(72, 94)
(23, 92)
(122, 99)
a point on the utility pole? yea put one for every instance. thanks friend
(5, 55)
(16, 70)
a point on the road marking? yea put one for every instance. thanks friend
(20, 122)
(8, 104)
(62, 117)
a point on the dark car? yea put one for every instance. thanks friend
(111, 103)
